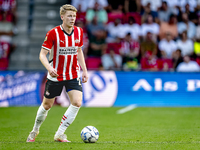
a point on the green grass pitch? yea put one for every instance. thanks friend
(144, 128)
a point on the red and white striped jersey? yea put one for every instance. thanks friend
(63, 48)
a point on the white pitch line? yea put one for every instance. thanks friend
(126, 109)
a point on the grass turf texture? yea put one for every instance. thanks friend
(142, 128)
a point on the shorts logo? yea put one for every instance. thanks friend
(47, 93)
(76, 41)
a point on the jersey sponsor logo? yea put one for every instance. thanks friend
(68, 51)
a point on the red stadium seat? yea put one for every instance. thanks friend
(4, 58)
(198, 60)
(136, 16)
(114, 46)
(113, 16)
(93, 63)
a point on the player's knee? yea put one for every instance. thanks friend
(47, 106)
(77, 103)
(48, 103)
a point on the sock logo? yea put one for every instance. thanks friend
(38, 121)
(67, 124)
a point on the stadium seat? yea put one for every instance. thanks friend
(161, 63)
(113, 16)
(93, 63)
(81, 16)
(4, 58)
(114, 46)
(136, 16)
(198, 60)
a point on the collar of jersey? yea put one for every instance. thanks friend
(66, 32)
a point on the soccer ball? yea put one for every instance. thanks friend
(89, 134)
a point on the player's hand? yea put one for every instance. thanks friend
(52, 72)
(84, 77)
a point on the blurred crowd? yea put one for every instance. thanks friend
(148, 35)
(7, 30)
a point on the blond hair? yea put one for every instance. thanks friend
(67, 7)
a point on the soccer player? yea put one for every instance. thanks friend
(64, 44)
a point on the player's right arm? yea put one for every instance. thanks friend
(46, 47)
(45, 62)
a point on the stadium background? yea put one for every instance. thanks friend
(22, 75)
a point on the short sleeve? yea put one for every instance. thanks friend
(49, 40)
(81, 38)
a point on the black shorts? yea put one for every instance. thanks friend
(53, 89)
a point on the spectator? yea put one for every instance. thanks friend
(197, 47)
(149, 62)
(192, 4)
(103, 4)
(164, 12)
(115, 13)
(132, 6)
(172, 3)
(80, 23)
(167, 46)
(98, 44)
(169, 27)
(177, 58)
(8, 8)
(93, 27)
(198, 4)
(7, 30)
(5, 50)
(112, 59)
(155, 4)
(187, 25)
(147, 11)
(150, 26)
(188, 65)
(185, 44)
(198, 29)
(97, 11)
(192, 16)
(81, 6)
(148, 45)
(113, 29)
(130, 52)
(133, 28)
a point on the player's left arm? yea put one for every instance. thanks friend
(81, 61)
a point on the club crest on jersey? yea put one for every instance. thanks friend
(77, 41)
